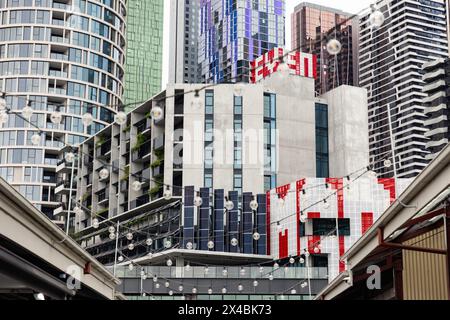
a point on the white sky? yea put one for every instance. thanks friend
(351, 6)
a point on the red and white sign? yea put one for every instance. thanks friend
(301, 64)
(362, 204)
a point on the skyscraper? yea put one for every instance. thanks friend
(312, 27)
(56, 55)
(143, 68)
(183, 55)
(391, 69)
(235, 32)
(437, 82)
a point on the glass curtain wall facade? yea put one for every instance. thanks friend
(235, 32)
(312, 27)
(64, 55)
(144, 50)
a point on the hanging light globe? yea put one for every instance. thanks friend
(137, 186)
(69, 157)
(120, 259)
(169, 262)
(131, 247)
(387, 164)
(167, 195)
(255, 283)
(197, 101)
(27, 112)
(87, 119)
(3, 117)
(234, 242)
(293, 291)
(168, 244)
(224, 272)
(261, 269)
(170, 293)
(194, 290)
(210, 245)
(56, 117)
(307, 254)
(229, 205)
(210, 291)
(104, 174)
(292, 260)
(304, 284)
(198, 201)
(334, 47)
(224, 290)
(111, 229)
(206, 270)
(301, 260)
(157, 113)
(149, 242)
(180, 288)
(376, 18)
(242, 272)
(130, 267)
(187, 267)
(120, 118)
(167, 284)
(95, 223)
(303, 218)
(254, 205)
(157, 285)
(189, 246)
(112, 235)
(271, 277)
(276, 265)
(155, 279)
(240, 287)
(316, 250)
(35, 139)
(129, 236)
(256, 236)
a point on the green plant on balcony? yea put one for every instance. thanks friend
(156, 163)
(140, 140)
(159, 154)
(100, 141)
(126, 174)
(153, 192)
(127, 129)
(148, 115)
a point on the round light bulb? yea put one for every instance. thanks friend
(255, 283)
(376, 18)
(170, 293)
(155, 279)
(157, 113)
(56, 117)
(120, 118)
(187, 267)
(131, 247)
(387, 164)
(120, 258)
(224, 272)
(326, 205)
(167, 195)
(169, 262)
(112, 235)
(261, 269)
(157, 285)
(3, 117)
(334, 47)
(35, 139)
(304, 284)
(291, 260)
(276, 265)
(130, 267)
(194, 290)
(293, 291)
(137, 186)
(372, 174)
(211, 245)
(95, 223)
(180, 288)
(167, 284)
(256, 236)
(224, 290)
(234, 242)
(111, 229)
(302, 261)
(27, 112)
(229, 205)
(242, 272)
(103, 174)
(206, 270)
(210, 291)
(198, 201)
(189, 246)
(303, 218)
(168, 244)
(316, 250)
(69, 157)
(254, 205)
(129, 236)
(149, 242)
(240, 287)
(270, 277)
(87, 119)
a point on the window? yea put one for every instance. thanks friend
(322, 143)
(323, 227)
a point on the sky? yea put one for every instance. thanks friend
(351, 6)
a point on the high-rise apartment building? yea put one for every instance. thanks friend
(437, 82)
(143, 68)
(235, 32)
(312, 27)
(56, 55)
(391, 69)
(184, 34)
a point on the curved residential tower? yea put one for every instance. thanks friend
(63, 55)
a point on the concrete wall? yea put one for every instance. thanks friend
(348, 130)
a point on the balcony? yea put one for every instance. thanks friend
(115, 167)
(140, 201)
(124, 186)
(104, 149)
(58, 56)
(103, 196)
(57, 74)
(64, 167)
(60, 211)
(63, 187)
(142, 153)
(144, 126)
(158, 171)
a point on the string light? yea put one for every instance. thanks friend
(206, 270)
(276, 265)
(27, 112)
(304, 284)
(131, 266)
(155, 278)
(261, 269)
(271, 277)
(187, 267)
(197, 102)
(194, 290)
(87, 119)
(189, 246)
(387, 164)
(157, 285)
(131, 247)
(303, 218)
(120, 118)
(242, 272)
(111, 229)
(254, 205)
(169, 262)
(120, 258)
(234, 242)
(224, 272)
(168, 244)
(149, 242)
(210, 291)
(69, 157)
(167, 284)
(301, 260)
(112, 235)
(334, 47)
(224, 290)
(170, 293)
(376, 18)
(180, 288)
(198, 201)
(210, 245)
(156, 113)
(167, 195)
(240, 287)
(129, 236)
(292, 260)
(103, 174)
(95, 223)
(256, 236)
(255, 283)
(137, 186)
(56, 117)
(35, 139)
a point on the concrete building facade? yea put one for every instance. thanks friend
(66, 56)
(391, 69)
